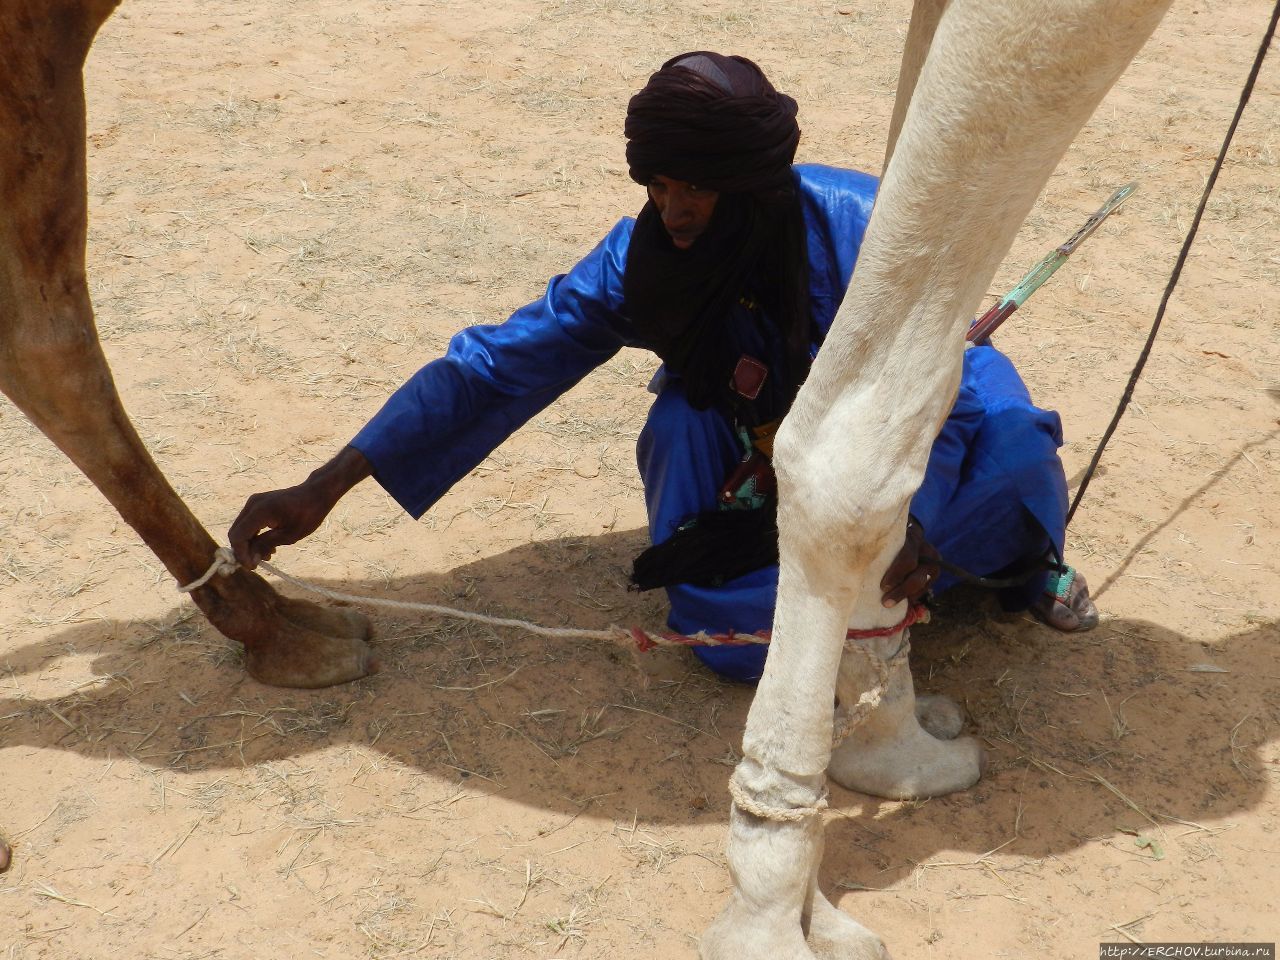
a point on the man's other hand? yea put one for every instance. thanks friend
(912, 570)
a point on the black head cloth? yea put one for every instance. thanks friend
(715, 121)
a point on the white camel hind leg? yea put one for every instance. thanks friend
(1004, 88)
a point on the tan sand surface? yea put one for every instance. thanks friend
(293, 206)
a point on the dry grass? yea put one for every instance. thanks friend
(290, 211)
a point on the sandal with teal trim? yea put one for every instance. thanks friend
(1065, 603)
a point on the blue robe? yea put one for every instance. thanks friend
(994, 493)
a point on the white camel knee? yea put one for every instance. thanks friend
(843, 505)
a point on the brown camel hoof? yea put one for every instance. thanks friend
(313, 646)
(333, 621)
(6, 856)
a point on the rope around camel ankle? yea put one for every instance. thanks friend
(744, 801)
(225, 564)
(848, 717)
(845, 720)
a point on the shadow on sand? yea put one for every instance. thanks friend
(1112, 727)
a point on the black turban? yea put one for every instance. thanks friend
(715, 121)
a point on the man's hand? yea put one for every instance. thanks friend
(281, 517)
(912, 570)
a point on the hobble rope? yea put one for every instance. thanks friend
(743, 800)
(847, 716)
(224, 564)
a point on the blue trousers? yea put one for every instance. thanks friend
(994, 497)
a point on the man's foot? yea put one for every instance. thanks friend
(1065, 604)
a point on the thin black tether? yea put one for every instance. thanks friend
(1177, 267)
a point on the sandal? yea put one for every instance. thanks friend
(1065, 603)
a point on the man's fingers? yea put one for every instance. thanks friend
(913, 586)
(276, 519)
(912, 570)
(240, 537)
(906, 560)
(258, 552)
(897, 572)
(265, 543)
(246, 534)
(259, 546)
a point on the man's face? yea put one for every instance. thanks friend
(684, 207)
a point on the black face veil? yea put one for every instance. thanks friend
(717, 122)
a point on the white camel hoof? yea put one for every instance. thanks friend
(741, 934)
(940, 716)
(834, 935)
(908, 765)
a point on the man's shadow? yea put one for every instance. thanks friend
(1123, 725)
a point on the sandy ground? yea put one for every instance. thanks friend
(293, 205)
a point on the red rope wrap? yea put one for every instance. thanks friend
(916, 613)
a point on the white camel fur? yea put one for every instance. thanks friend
(991, 93)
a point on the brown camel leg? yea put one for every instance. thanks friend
(6, 855)
(53, 369)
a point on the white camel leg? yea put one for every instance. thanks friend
(925, 16)
(834, 935)
(765, 915)
(799, 926)
(1004, 88)
(786, 750)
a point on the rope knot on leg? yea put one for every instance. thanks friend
(850, 715)
(749, 804)
(224, 564)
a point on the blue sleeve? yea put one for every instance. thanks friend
(946, 459)
(456, 410)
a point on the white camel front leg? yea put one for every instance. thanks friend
(1005, 86)
(775, 828)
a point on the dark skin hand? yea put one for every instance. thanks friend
(282, 517)
(912, 570)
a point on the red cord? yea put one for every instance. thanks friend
(916, 613)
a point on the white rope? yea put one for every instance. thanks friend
(224, 563)
(614, 633)
(845, 720)
(744, 801)
(848, 717)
